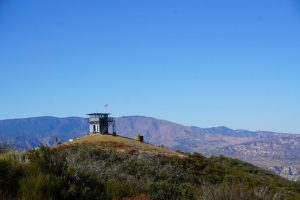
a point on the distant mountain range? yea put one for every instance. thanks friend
(279, 152)
(28, 133)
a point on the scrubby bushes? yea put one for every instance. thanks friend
(84, 171)
(10, 173)
(40, 186)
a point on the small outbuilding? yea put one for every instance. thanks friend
(139, 138)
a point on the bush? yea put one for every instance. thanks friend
(118, 189)
(47, 161)
(10, 173)
(82, 186)
(40, 187)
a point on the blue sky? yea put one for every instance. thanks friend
(196, 62)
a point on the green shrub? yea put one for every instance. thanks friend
(118, 189)
(10, 173)
(40, 187)
(47, 161)
(82, 186)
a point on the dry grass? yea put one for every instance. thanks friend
(122, 144)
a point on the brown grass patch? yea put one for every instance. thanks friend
(122, 144)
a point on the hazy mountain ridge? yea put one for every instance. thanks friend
(276, 151)
(31, 132)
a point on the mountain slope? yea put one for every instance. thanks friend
(181, 137)
(31, 132)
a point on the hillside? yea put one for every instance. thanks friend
(275, 151)
(278, 152)
(117, 168)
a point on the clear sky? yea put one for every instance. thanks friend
(196, 62)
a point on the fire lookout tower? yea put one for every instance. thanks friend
(101, 123)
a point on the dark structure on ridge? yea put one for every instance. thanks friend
(101, 123)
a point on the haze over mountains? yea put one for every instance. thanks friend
(276, 151)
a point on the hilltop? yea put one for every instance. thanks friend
(121, 144)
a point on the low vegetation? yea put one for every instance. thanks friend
(85, 171)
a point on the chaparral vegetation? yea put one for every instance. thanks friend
(88, 171)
